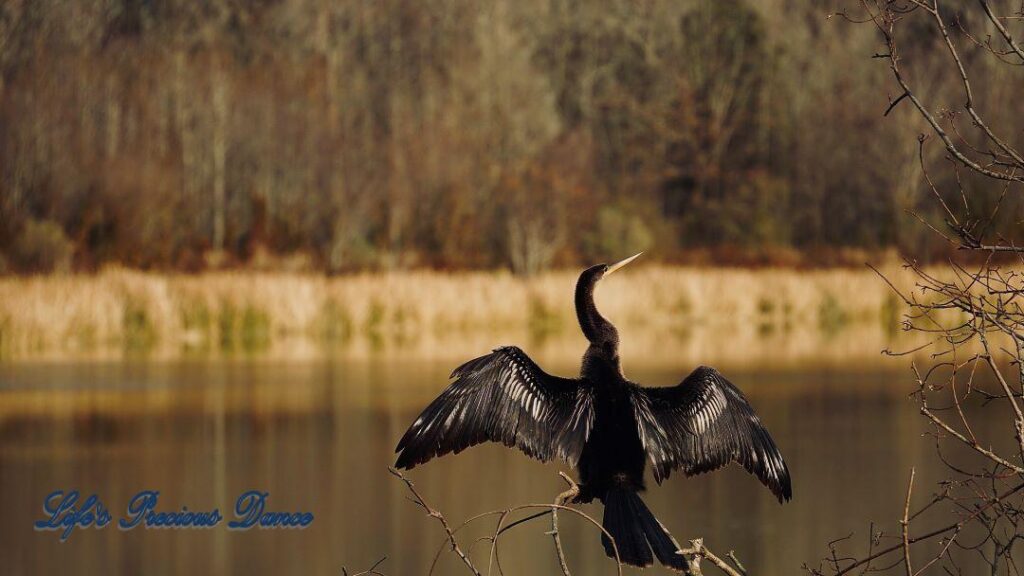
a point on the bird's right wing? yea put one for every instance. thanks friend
(503, 397)
(704, 423)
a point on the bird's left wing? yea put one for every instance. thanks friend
(503, 397)
(704, 423)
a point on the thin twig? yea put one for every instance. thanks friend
(905, 523)
(371, 571)
(698, 551)
(440, 518)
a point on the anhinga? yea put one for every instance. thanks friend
(605, 425)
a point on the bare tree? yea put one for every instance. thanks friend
(971, 387)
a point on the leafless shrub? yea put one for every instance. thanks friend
(970, 391)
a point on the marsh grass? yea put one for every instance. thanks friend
(253, 312)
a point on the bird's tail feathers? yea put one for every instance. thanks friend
(637, 532)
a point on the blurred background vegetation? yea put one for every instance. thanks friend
(384, 134)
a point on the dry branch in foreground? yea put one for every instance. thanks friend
(970, 391)
(696, 552)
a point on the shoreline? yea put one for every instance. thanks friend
(739, 316)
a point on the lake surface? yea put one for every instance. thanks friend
(318, 435)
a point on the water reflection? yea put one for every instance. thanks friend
(318, 436)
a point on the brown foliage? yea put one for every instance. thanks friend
(390, 135)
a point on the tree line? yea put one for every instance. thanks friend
(383, 134)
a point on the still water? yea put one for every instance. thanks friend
(318, 435)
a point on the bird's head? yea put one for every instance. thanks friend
(592, 275)
(598, 330)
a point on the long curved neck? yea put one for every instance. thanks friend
(598, 330)
(601, 361)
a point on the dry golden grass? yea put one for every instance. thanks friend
(740, 316)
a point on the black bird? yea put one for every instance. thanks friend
(605, 425)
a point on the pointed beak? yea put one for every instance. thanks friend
(621, 263)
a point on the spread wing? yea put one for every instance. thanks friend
(503, 397)
(704, 423)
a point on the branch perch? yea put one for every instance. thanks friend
(695, 552)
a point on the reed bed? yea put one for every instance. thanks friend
(738, 314)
